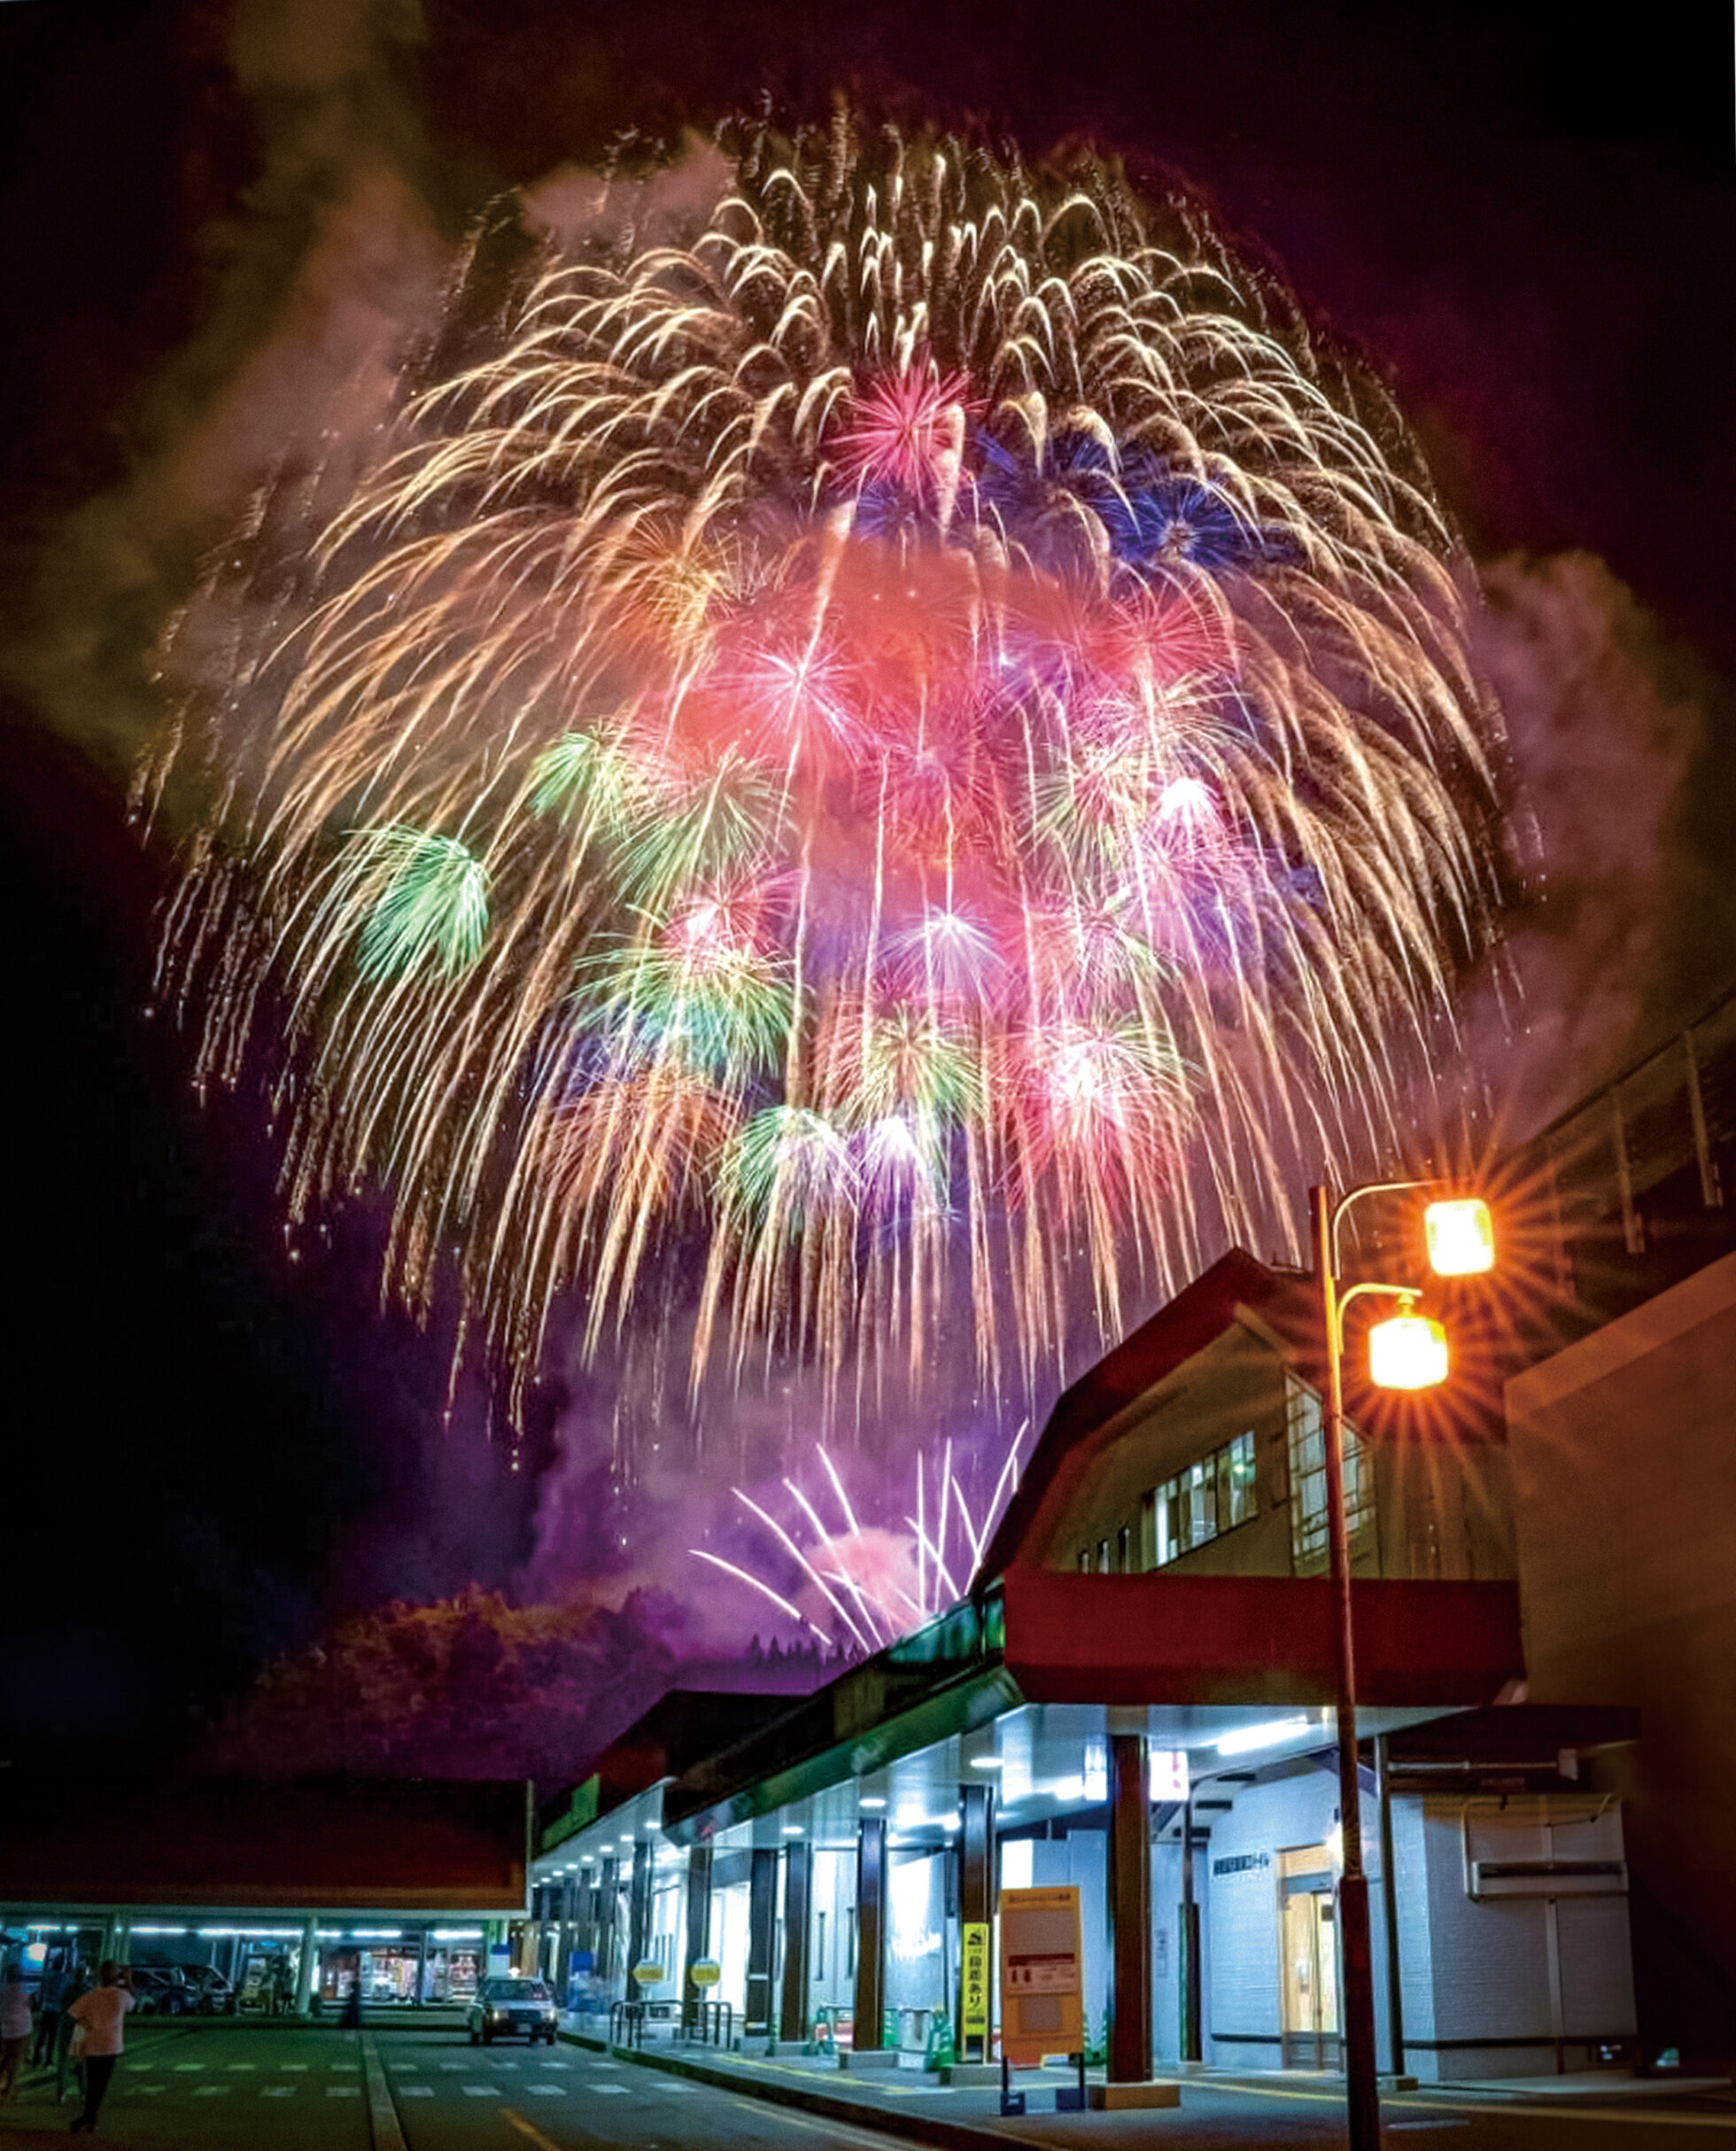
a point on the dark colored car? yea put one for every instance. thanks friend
(510, 2009)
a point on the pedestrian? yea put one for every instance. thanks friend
(51, 1998)
(99, 2015)
(78, 1982)
(15, 2028)
(350, 2020)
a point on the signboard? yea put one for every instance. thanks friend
(704, 1972)
(648, 1973)
(1043, 1974)
(1169, 1774)
(973, 1982)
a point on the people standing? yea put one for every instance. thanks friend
(50, 2000)
(101, 2014)
(15, 2028)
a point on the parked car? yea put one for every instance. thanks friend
(162, 1990)
(506, 2006)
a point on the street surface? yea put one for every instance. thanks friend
(242, 2088)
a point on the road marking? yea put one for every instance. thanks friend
(235, 2068)
(454, 2065)
(279, 2091)
(149, 2091)
(556, 2064)
(343, 2091)
(133, 2065)
(604, 2091)
(189, 2065)
(839, 2132)
(416, 2091)
(212, 2091)
(546, 2090)
(480, 2091)
(530, 2128)
(290, 2065)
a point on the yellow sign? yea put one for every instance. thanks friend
(705, 1972)
(973, 1984)
(649, 1974)
(1043, 1974)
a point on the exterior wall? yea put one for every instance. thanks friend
(1523, 1985)
(1624, 1452)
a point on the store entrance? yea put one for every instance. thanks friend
(1308, 1943)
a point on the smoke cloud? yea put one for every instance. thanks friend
(1631, 925)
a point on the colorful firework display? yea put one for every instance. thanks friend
(913, 752)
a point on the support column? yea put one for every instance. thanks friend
(306, 1969)
(607, 1900)
(976, 1892)
(761, 1938)
(639, 1912)
(1389, 1868)
(1129, 1909)
(869, 2006)
(798, 1925)
(1189, 1923)
(699, 1926)
(421, 1966)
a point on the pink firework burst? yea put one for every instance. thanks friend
(907, 430)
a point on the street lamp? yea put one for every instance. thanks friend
(1407, 1351)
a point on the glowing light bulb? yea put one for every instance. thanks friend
(1408, 1352)
(1462, 1237)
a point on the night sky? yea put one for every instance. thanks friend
(219, 1442)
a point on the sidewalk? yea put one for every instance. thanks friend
(915, 2104)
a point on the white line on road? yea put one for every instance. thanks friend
(480, 2091)
(212, 2091)
(279, 2091)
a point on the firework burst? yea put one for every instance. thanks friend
(914, 752)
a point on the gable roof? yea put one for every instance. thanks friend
(1195, 1318)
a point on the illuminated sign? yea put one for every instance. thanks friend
(1043, 1974)
(973, 1981)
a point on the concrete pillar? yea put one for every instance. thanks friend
(1188, 1966)
(798, 1925)
(1388, 1873)
(421, 1965)
(307, 1966)
(698, 1925)
(976, 1891)
(869, 2008)
(608, 1901)
(761, 1938)
(1129, 1909)
(639, 1912)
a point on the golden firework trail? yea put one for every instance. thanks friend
(914, 751)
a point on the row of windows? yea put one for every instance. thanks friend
(1221, 1492)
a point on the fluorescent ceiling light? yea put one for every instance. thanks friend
(1265, 1736)
(985, 1762)
(793, 1829)
(870, 1799)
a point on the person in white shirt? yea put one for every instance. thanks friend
(100, 2014)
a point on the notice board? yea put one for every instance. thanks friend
(973, 1982)
(1043, 1974)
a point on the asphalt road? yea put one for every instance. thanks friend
(218, 2088)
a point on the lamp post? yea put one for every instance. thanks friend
(1408, 1352)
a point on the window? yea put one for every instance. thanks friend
(1102, 1556)
(1123, 1550)
(1201, 1503)
(1084, 1560)
(1308, 1483)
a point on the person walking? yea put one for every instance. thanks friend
(100, 2014)
(50, 2000)
(15, 2028)
(78, 1982)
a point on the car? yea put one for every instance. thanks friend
(509, 2006)
(162, 1990)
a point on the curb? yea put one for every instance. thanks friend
(887, 2121)
(384, 2127)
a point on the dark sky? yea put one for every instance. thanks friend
(1526, 221)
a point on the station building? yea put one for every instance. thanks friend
(1135, 1696)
